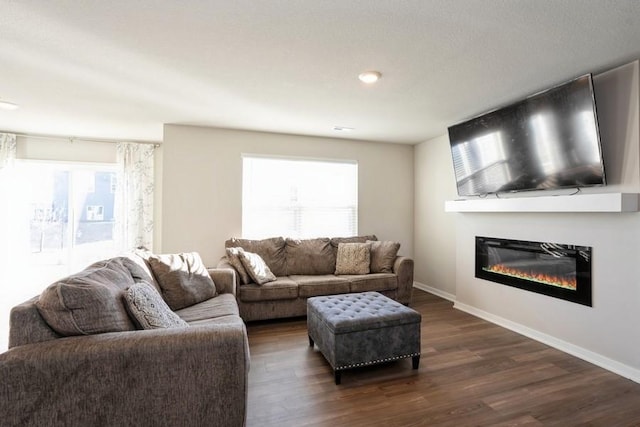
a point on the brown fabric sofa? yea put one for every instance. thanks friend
(306, 268)
(190, 375)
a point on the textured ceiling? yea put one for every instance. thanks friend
(121, 69)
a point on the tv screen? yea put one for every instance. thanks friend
(549, 140)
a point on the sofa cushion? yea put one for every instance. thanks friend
(335, 241)
(220, 306)
(353, 258)
(233, 256)
(256, 267)
(310, 286)
(271, 250)
(372, 282)
(90, 301)
(310, 256)
(183, 278)
(281, 288)
(383, 255)
(148, 308)
(220, 320)
(143, 273)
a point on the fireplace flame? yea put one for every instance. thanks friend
(546, 279)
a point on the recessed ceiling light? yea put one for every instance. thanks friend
(6, 105)
(342, 129)
(370, 77)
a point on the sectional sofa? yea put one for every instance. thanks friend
(93, 350)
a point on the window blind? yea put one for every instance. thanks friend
(298, 198)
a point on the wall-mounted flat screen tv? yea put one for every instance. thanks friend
(549, 140)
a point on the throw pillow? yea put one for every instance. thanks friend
(140, 256)
(256, 267)
(383, 256)
(90, 301)
(149, 309)
(271, 250)
(353, 258)
(183, 279)
(233, 255)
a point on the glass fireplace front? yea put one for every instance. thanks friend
(558, 270)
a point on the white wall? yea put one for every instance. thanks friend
(57, 149)
(202, 184)
(435, 236)
(606, 333)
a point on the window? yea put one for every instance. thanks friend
(298, 198)
(57, 217)
(64, 218)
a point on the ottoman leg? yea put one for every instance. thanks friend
(416, 361)
(337, 376)
(310, 341)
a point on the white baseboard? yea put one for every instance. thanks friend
(597, 359)
(435, 291)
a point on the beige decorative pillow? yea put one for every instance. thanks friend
(233, 256)
(149, 309)
(353, 258)
(383, 256)
(183, 279)
(256, 267)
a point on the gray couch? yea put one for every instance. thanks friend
(306, 268)
(191, 376)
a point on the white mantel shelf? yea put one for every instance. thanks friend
(597, 202)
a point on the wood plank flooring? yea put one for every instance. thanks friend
(472, 373)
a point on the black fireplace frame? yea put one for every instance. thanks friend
(582, 254)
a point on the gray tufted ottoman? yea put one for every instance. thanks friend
(361, 329)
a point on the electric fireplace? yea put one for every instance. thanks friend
(557, 270)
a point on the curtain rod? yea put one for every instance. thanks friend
(73, 139)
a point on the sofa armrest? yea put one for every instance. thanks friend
(27, 325)
(185, 376)
(403, 268)
(224, 263)
(225, 279)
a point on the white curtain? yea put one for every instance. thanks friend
(134, 195)
(7, 149)
(7, 186)
(7, 267)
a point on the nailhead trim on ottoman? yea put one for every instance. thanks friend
(361, 329)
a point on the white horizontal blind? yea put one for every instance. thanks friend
(298, 198)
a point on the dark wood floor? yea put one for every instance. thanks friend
(472, 373)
